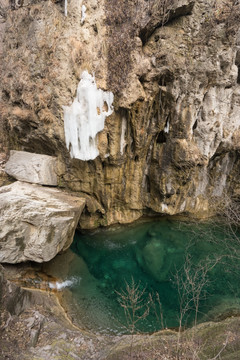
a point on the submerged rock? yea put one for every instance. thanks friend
(36, 222)
(33, 168)
(154, 259)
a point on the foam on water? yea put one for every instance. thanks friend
(60, 285)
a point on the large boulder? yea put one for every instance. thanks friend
(36, 222)
(33, 168)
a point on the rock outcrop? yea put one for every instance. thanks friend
(35, 322)
(171, 144)
(32, 168)
(36, 222)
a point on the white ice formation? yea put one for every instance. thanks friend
(85, 118)
(65, 7)
(167, 127)
(123, 134)
(83, 14)
(164, 207)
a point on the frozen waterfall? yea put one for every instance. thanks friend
(85, 118)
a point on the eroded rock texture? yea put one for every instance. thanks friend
(172, 143)
(36, 222)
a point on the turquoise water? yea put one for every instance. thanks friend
(179, 271)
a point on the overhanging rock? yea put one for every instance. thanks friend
(36, 222)
(162, 13)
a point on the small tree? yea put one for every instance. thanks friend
(132, 300)
(192, 282)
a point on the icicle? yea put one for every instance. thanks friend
(167, 126)
(164, 207)
(65, 8)
(85, 118)
(123, 133)
(83, 14)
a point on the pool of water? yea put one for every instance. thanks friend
(151, 275)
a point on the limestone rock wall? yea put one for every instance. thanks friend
(172, 143)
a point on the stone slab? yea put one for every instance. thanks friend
(31, 167)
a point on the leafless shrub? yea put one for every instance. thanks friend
(163, 9)
(228, 12)
(131, 299)
(121, 32)
(125, 20)
(225, 12)
(155, 304)
(229, 218)
(191, 282)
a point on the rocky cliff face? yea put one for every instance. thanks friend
(171, 143)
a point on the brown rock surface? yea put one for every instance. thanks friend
(171, 145)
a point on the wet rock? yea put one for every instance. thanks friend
(33, 168)
(36, 222)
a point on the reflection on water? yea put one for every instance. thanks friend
(182, 267)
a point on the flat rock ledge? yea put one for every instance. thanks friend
(32, 168)
(36, 222)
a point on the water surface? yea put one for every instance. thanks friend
(186, 271)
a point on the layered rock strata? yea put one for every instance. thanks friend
(172, 143)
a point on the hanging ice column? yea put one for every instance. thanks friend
(83, 14)
(65, 7)
(85, 118)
